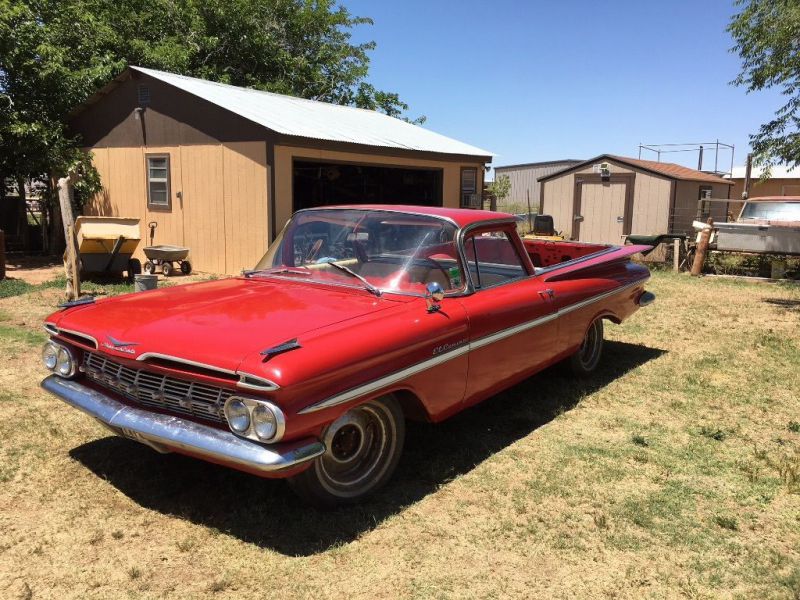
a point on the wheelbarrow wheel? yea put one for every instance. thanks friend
(134, 269)
(166, 268)
(149, 267)
(186, 267)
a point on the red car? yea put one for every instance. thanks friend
(356, 318)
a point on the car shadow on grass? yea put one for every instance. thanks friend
(266, 513)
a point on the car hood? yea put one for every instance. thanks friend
(217, 323)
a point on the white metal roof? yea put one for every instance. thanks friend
(776, 172)
(318, 120)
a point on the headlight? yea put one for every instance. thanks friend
(50, 356)
(237, 414)
(59, 359)
(265, 424)
(65, 364)
(257, 420)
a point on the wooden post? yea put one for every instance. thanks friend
(702, 248)
(676, 255)
(71, 266)
(2, 255)
(530, 225)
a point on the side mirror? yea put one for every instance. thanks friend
(433, 296)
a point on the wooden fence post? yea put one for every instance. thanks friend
(676, 255)
(2, 255)
(702, 248)
(71, 266)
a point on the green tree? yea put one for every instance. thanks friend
(500, 187)
(55, 53)
(767, 38)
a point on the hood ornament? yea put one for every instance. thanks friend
(119, 345)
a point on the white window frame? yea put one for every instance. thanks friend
(158, 205)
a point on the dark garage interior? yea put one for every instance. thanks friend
(326, 184)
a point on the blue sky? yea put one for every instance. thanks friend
(534, 81)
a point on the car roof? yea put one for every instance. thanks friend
(462, 217)
(774, 199)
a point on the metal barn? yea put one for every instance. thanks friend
(524, 179)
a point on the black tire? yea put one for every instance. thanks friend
(134, 269)
(588, 356)
(166, 268)
(186, 267)
(149, 267)
(363, 447)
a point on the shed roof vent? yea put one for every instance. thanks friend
(143, 93)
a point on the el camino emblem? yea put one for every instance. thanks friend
(447, 347)
(120, 346)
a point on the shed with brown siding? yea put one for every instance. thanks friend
(220, 169)
(607, 197)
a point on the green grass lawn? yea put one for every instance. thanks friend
(673, 472)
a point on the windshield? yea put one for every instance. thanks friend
(772, 211)
(384, 250)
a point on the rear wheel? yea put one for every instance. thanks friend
(362, 449)
(166, 268)
(149, 267)
(586, 359)
(186, 267)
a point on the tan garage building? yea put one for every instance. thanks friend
(220, 169)
(607, 197)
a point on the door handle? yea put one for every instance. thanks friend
(548, 293)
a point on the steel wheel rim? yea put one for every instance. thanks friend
(359, 447)
(590, 347)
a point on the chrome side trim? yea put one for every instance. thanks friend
(473, 345)
(50, 328)
(597, 298)
(385, 381)
(85, 336)
(165, 432)
(501, 335)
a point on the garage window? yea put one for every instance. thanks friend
(469, 188)
(158, 181)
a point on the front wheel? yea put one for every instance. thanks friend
(586, 359)
(362, 449)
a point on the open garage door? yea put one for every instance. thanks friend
(327, 184)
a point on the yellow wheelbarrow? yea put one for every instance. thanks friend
(106, 245)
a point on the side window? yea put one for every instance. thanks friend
(493, 259)
(158, 196)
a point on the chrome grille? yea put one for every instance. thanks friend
(160, 391)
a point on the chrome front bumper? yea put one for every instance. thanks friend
(165, 433)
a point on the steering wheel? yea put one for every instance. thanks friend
(436, 265)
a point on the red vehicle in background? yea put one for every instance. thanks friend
(356, 318)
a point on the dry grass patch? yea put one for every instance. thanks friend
(671, 473)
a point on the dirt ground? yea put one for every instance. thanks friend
(673, 472)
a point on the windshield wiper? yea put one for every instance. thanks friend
(284, 270)
(370, 288)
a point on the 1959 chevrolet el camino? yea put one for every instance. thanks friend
(356, 318)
